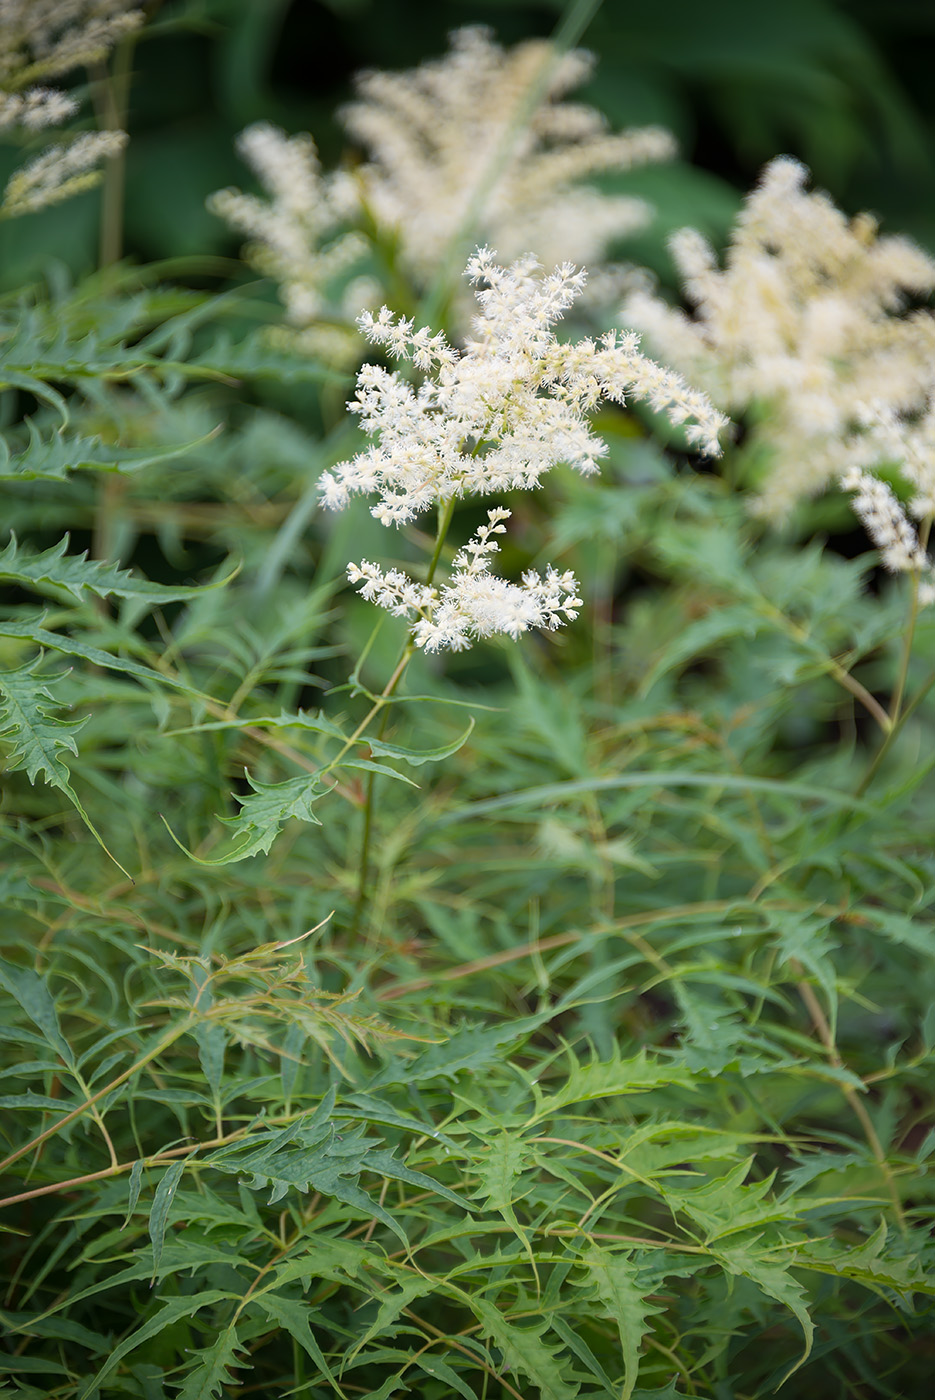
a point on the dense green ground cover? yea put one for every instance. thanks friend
(603, 1065)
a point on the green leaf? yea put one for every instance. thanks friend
(162, 1201)
(292, 1316)
(615, 1279)
(415, 757)
(53, 458)
(698, 638)
(38, 738)
(214, 1368)
(524, 1351)
(33, 995)
(601, 1079)
(469, 1048)
(186, 1306)
(96, 656)
(771, 1274)
(136, 1181)
(263, 813)
(55, 571)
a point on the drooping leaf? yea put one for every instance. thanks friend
(159, 1214)
(32, 993)
(416, 757)
(186, 1306)
(770, 1272)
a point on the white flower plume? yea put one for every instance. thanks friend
(436, 134)
(60, 172)
(806, 322)
(496, 416)
(46, 38)
(879, 511)
(501, 413)
(295, 234)
(475, 603)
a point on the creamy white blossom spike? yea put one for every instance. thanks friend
(495, 416)
(806, 323)
(878, 509)
(475, 603)
(436, 134)
(501, 413)
(296, 238)
(46, 38)
(60, 172)
(35, 109)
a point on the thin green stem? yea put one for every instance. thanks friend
(445, 514)
(111, 98)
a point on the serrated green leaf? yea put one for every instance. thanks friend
(600, 1079)
(293, 1317)
(469, 1048)
(55, 570)
(96, 656)
(214, 1367)
(185, 1306)
(263, 812)
(615, 1279)
(771, 1274)
(39, 738)
(159, 1215)
(524, 1351)
(133, 1195)
(54, 457)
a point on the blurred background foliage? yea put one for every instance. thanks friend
(844, 86)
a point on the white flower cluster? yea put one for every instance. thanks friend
(496, 416)
(45, 38)
(482, 136)
(295, 237)
(35, 108)
(475, 603)
(509, 407)
(909, 442)
(879, 511)
(60, 172)
(805, 324)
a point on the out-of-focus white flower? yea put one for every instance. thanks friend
(805, 323)
(496, 416)
(482, 137)
(60, 172)
(295, 232)
(36, 108)
(908, 441)
(42, 39)
(45, 38)
(877, 507)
